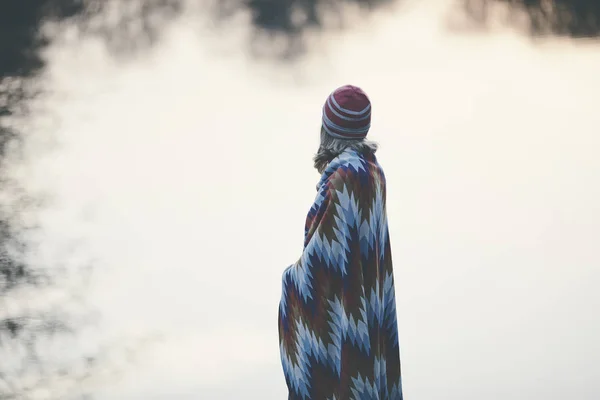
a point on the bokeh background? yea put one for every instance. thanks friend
(156, 172)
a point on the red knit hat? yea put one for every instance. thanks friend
(347, 113)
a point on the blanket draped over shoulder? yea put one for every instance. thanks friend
(338, 332)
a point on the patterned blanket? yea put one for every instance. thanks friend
(337, 315)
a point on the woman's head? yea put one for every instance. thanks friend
(345, 124)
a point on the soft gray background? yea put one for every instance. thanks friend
(185, 175)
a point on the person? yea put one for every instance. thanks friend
(338, 333)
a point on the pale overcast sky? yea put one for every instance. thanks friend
(185, 174)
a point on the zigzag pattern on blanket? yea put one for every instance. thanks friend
(337, 316)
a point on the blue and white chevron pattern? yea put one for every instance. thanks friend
(337, 315)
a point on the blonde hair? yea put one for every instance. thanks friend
(332, 147)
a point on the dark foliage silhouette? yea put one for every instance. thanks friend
(574, 18)
(20, 21)
(292, 17)
(22, 40)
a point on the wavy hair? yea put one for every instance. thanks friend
(332, 147)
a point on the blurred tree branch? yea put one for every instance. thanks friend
(573, 18)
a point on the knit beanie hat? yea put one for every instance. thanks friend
(347, 113)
